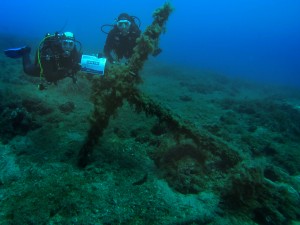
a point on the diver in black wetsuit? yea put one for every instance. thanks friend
(57, 57)
(122, 38)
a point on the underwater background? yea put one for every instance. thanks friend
(219, 144)
(257, 39)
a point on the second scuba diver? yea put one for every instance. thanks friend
(57, 57)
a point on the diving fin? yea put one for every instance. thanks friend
(17, 52)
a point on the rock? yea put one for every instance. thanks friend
(67, 107)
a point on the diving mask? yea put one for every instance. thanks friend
(67, 46)
(123, 25)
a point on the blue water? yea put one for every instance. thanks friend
(257, 39)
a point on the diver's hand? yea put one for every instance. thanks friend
(156, 52)
(77, 67)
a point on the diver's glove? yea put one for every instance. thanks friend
(156, 52)
(76, 68)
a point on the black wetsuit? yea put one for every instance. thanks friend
(55, 65)
(122, 45)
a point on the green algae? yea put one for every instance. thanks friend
(120, 83)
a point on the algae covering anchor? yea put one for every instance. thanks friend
(118, 84)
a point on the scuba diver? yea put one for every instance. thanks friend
(122, 38)
(57, 57)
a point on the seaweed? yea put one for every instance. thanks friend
(120, 83)
(268, 202)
